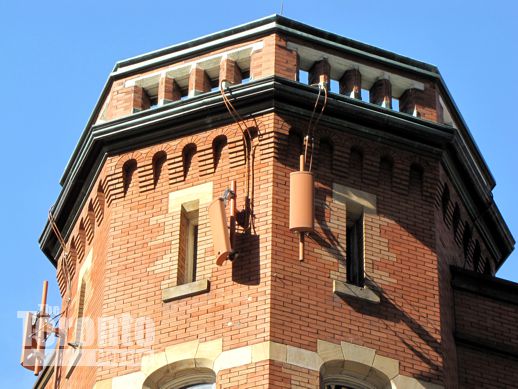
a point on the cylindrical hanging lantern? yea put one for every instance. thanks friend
(302, 209)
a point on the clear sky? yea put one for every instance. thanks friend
(55, 57)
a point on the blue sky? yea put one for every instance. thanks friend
(56, 56)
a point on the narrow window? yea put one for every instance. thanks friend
(354, 245)
(188, 253)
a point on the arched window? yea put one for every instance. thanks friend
(169, 377)
(334, 376)
(347, 384)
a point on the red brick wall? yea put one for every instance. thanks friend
(401, 259)
(486, 331)
(236, 309)
(483, 369)
(485, 318)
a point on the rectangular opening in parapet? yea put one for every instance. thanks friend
(303, 76)
(366, 95)
(335, 86)
(246, 77)
(184, 94)
(214, 85)
(395, 104)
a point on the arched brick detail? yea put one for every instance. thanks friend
(386, 170)
(90, 222)
(147, 168)
(99, 203)
(219, 152)
(356, 164)
(115, 177)
(60, 276)
(323, 157)
(415, 179)
(72, 259)
(79, 244)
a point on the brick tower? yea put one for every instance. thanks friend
(394, 285)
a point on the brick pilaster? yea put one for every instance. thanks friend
(381, 93)
(351, 84)
(419, 103)
(229, 71)
(199, 82)
(168, 90)
(320, 73)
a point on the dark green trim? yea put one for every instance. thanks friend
(291, 27)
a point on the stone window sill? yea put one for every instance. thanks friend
(185, 290)
(344, 289)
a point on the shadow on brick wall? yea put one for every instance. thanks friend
(392, 315)
(246, 267)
